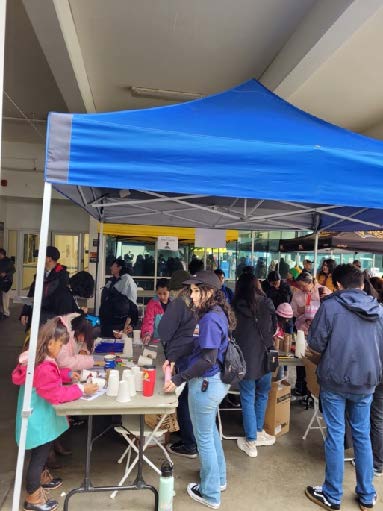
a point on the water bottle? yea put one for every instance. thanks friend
(166, 490)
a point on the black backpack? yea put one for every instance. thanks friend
(234, 365)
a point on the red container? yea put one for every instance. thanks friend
(148, 381)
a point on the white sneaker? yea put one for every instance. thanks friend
(223, 487)
(264, 438)
(248, 446)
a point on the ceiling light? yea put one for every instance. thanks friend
(168, 95)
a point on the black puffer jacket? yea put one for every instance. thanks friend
(176, 332)
(254, 334)
(281, 295)
(57, 298)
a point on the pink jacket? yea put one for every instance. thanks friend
(69, 354)
(48, 381)
(152, 317)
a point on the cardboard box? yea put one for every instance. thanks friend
(277, 418)
(311, 377)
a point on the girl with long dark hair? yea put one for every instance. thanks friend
(256, 325)
(44, 425)
(206, 389)
(324, 276)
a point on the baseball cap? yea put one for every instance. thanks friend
(177, 279)
(205, 277)
(308, 261)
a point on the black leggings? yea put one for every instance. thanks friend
(39, 456)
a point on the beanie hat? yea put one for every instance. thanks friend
(177, 279)
(285, 311)
(295, 272)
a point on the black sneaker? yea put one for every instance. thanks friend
(179, 449)
(363, 506)
(315, 494)
(49, 505)
(194, 492)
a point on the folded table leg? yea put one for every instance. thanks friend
(87, 486)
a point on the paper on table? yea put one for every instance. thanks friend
(94, 396)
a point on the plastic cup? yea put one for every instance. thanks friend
(137, 378)
(125, 374)
(123, 395)
(113, 383)
(137, 336)
(149, 353)
(148, 381)
(144, 361)
(132, 384)
(128, 346)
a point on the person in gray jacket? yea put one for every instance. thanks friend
(348, 333)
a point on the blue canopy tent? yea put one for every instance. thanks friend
(243, 159)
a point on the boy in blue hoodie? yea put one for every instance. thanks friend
(348, 333)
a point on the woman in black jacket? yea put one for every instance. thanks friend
(256, 324)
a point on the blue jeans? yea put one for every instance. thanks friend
(254, 395)
(203, 407)
(358, 410)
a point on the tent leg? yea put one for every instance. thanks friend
(100, 269)
(316, 253)
(3, 9)
(26, 410)
(155, 263)
(252, 247)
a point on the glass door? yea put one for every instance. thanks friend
(30, 245)
(70, 250)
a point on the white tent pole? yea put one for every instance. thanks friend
(26, 409)
(3, 8)
(316, 252)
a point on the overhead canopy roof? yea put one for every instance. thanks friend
(243, 159)
(343, 241)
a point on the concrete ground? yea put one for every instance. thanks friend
(274, 480)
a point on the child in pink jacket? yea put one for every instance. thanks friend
(44, 425)
(154, 311)
(75, 354)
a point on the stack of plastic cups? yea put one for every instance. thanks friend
(132, 384)
(300, 344)
(137, 378)
(123, 395)
(113, 383)
(128, 346)
(129, 376)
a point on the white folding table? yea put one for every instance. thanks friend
(159, 403)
